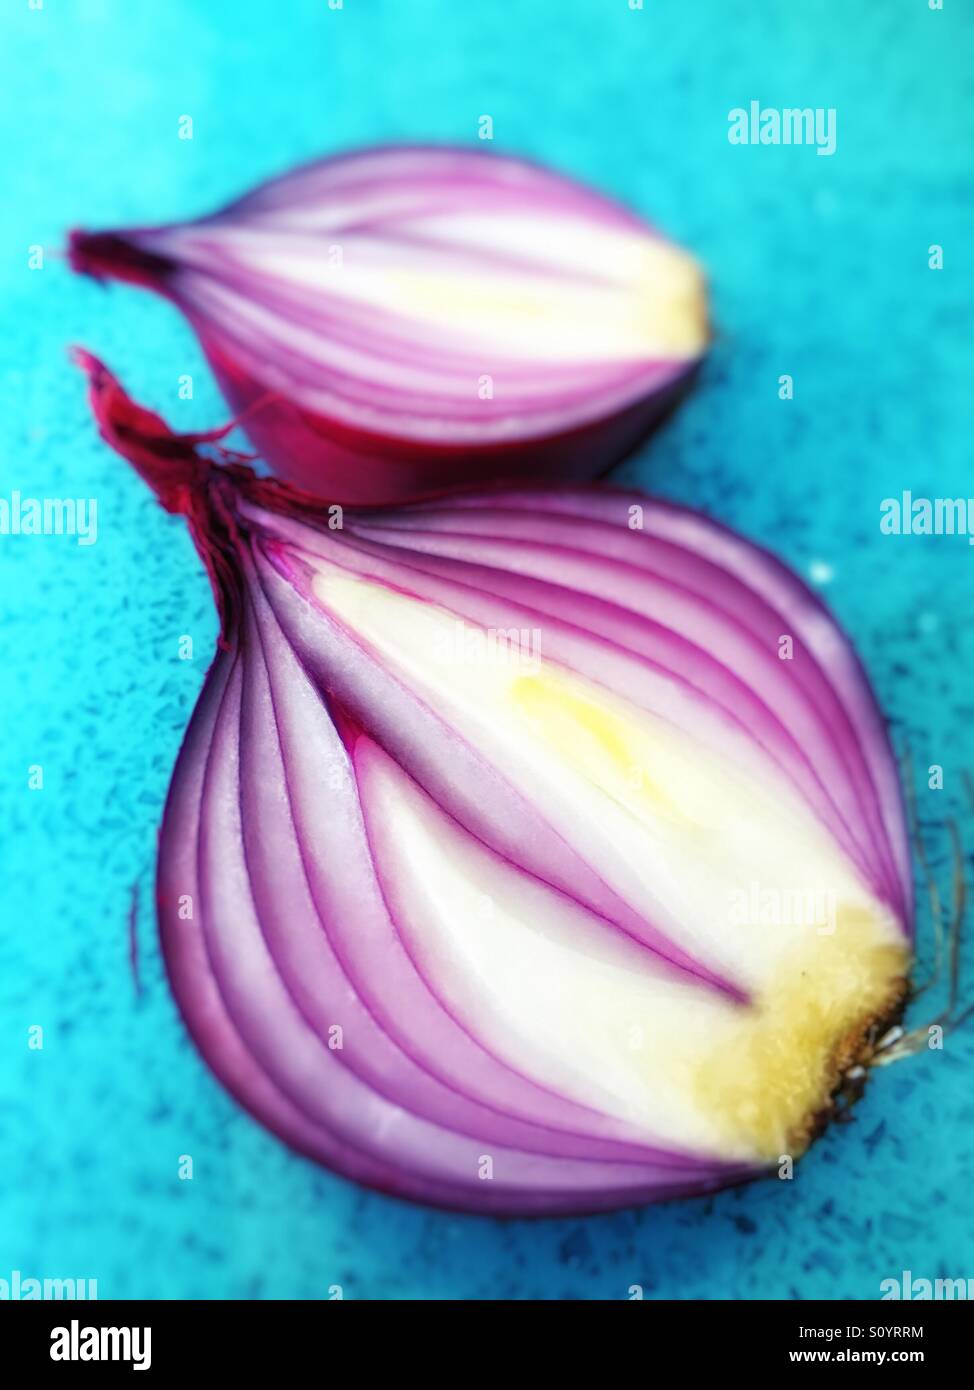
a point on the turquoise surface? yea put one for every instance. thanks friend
(819, 268)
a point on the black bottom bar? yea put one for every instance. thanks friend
(72, 1338)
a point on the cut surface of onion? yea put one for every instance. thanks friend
(523, 873)
(397, 320)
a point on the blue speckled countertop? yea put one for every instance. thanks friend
(819, 268)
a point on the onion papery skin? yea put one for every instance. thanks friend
(538, 1011)
(487, 318)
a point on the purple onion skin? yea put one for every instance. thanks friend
(278, 920)
(591, 415)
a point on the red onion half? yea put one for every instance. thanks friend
(474, 872)
(405, 319)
